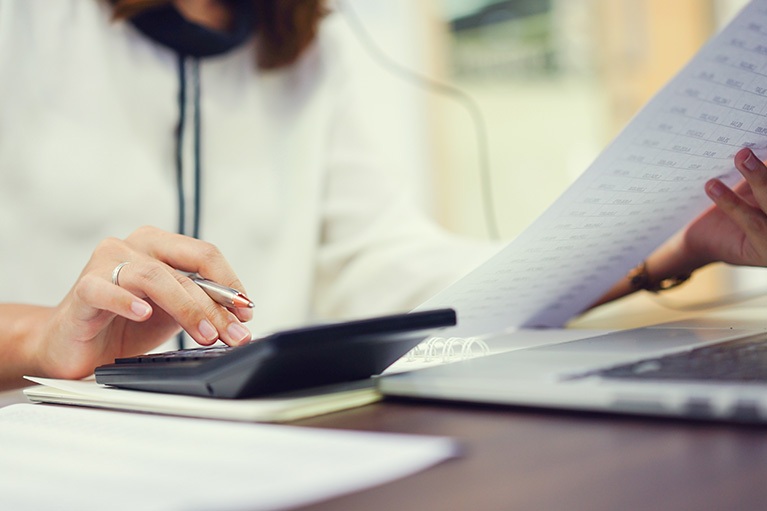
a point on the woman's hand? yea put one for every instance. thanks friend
(99, 321)
(734, 230)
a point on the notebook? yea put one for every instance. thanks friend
(439, 350)
(284, 408)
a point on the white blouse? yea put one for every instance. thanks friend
(293, 190)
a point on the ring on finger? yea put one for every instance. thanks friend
(116, 273)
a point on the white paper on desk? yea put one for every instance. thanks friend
(77, 459)
(645, 186)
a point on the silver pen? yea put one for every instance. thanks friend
(221, 294)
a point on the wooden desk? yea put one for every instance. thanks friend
(537, 460)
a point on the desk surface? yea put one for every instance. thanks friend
(534, 459)
(529, 459)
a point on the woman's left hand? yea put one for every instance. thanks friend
(734, 230)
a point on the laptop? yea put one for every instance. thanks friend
(688, 372)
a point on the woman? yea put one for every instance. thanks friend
(103, 130)
(239, 123)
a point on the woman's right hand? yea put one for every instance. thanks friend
(99, 321)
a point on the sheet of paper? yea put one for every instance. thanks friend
(646, 185)
(77, 459)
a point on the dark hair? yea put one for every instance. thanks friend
(285, 27)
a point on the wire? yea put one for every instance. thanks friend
(444, 89)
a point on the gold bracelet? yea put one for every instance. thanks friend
(639, 278)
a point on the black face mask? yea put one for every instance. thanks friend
(166, 26)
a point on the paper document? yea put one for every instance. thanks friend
(67, 458)
(646, 185)
(284, 408)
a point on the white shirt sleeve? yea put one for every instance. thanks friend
(378, 251)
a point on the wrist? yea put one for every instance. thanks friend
(689, 254)
(640, 278)
(22, 342)
(32, 332)
(673, 263)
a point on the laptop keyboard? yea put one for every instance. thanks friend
(740, 360)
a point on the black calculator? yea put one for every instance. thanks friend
(288, 360)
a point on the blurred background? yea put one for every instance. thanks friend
(555, 80)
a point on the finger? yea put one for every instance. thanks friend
(752, 221)
(190, 255)
(97, 296)
(210, 264)
(227, 325)
(743, 189)
(755, 173)
(100, 294)
(155, 280)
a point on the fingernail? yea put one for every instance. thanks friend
(207, 330)
(140, 309)
(716, 188)
(750, 162)
(238, 332)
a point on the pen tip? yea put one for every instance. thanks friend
(242, 301)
